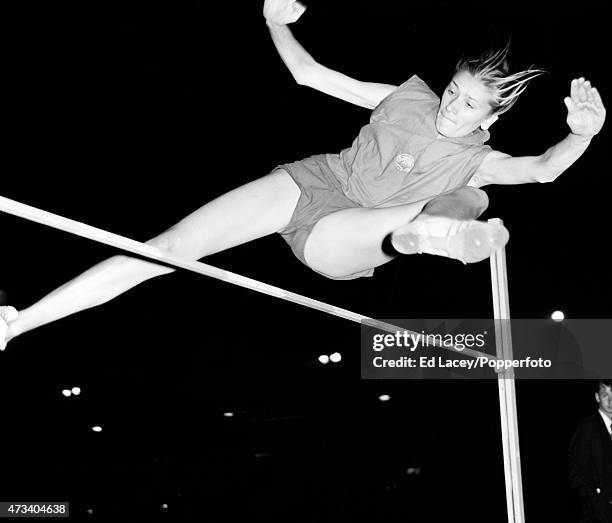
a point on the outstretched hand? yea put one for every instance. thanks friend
(585, 110)
(282, 11)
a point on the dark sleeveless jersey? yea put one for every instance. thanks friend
(399, 157)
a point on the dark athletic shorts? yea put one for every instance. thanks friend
(321, 195)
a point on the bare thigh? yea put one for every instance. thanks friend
(256, 209)
(350, 241)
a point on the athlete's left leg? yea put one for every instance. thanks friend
(465, 203)
(351, 240)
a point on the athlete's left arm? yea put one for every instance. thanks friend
(585, 117)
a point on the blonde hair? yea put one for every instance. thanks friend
(492, 69)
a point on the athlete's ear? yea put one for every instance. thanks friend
(485, 124)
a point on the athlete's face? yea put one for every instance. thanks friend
(604, 400)
(465, 105)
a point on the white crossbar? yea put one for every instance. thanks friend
(142, 249)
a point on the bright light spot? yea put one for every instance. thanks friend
(324, 358)
(228, 414)
(89, 511)
(335, 357)
(384, 397)
(96, 428)
(66, 393)
(164, 505)
(557, 316)
(76, 390)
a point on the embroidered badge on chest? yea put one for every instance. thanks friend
(404, 162)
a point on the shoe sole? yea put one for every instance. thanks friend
(470, 245)
(8, 314)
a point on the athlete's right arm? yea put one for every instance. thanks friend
(306, 70)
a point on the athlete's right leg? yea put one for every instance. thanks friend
(447, 226)
(353, 240)
(256, 209)
(465, 203)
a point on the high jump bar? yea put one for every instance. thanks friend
(153, 253)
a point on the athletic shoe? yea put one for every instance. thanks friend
(7, 315)
(468, 241)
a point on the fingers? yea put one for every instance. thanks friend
(582, 97)
(597, 98)
(588, 92)
(582, 93)
(574, 89)
(578, 90)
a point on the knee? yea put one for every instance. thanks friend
(465, 203)
(470, 202)
(478, 199)
(168, 242)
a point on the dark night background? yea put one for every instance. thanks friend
(127, 116)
